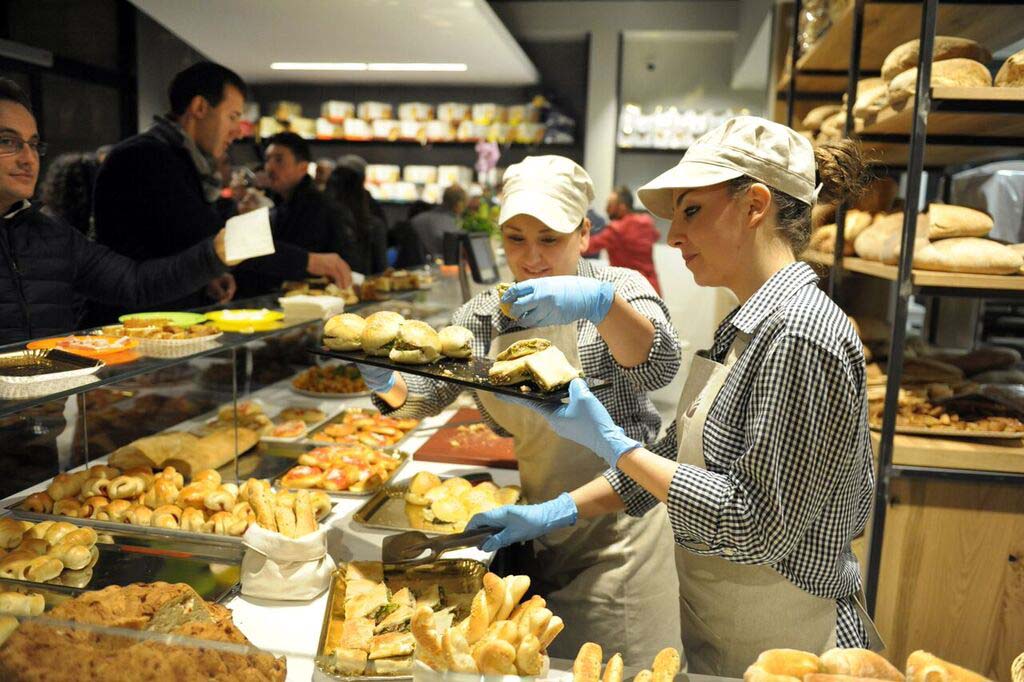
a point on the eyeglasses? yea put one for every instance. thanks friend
(11, 145)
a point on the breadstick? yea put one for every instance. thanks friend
(428, 644)
(587, 667)
(534, 602)
(478, 618)
(643, 676)
(555, 627)
(285, 522)
(305, 522)
(260, 501)
(17, 604)
(494, 593)
(535, 623)
(285, 498)
(515, 587)
(497, 657)
(666, 665)
(457, 653)
(613, 671)
(529, 658)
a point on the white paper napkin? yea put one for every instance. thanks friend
(248, 236)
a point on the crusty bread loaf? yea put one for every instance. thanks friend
(816, 116)
(152, 451)
(906, 56)
(946, 220)
(980, 360)
(965, 73)
(924, 667)
(881, 241)
(858, 663)
(1011, 73)
(824, 239)
(832, 128)
(872, 97)
(212, 451)
(969, 255)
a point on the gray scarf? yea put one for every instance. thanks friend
(166, 130)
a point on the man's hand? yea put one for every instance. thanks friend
(222, 289)
(331, 266)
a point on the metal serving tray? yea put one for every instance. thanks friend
(387, 510)
(472, 373)
(454, 576)
(400, 455)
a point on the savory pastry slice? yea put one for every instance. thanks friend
(392, 667)
(348, 662)
(504, 372)
(396, 621)
(456, 342)
(379, 334)
(289, 429)
(357, 587)
(310, 415)
(368, 604)
(344, 332)
(520, 349)
(392, 644)
(430, 597)
(403, 597)
(356, 633)
(550, 369)
(416, 344)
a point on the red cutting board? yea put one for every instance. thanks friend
(474, 443)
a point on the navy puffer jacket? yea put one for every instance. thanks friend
(44, 262)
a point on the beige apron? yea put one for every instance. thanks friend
(610, 579)
(729, 612)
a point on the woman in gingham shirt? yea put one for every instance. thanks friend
(767, 471)
(604, 577)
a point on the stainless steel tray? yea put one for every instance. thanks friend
(387, 510)
(402, 456)
(453, 575)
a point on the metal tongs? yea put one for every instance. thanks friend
(409, 547)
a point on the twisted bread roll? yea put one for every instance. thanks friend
(244, 510)
(139, 515)
(17, 604)
(163, 492)
(219, 500)
(43, 568)
(40, 503)
(171, 474)
(103, 471)
(226, 523)
(69, 506)
(193, 495)
(124, 487)
(859, 663)
(230, 488)
(75, 550)
(37, 546)
(57, 531)
(144, 474)
(167, 516)
(64, 486)
(208, 476)
(94, 487)
(11, 532)
(194, 520)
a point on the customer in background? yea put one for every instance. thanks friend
(45, 263)
(67, 190)
(155, 192)
(629, 237)
(357, 164)
(324, 168)
(369, 250)
(409, 252)
(431, 226)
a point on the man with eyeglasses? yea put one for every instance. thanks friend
(44, 261)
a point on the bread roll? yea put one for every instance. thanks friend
(950, 73)
(1011, 73)
(780, 664)
(167, 516)
(876, 243)
(924, 667)
(95, 486)
(666, 665)
(907, 55)
(219, 500)
(193, 520)
(11, 532)
(125, 487)
(68, 507)
(380, 332)
(17, 604)
(64, 486)
(456, 342)
(40, 503)
(859, 663)
(45, 568)
(171, 474)
(816, 116)
(139, 515)
(945, 221)
(163, 492)
(417, 343)
(103, 471)
(969, 255)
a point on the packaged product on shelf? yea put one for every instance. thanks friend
(470, 132)
(487, 113)
(336, 111)
(380, 173)
(440, 131)
(454, 175)
(431, 193)
(500, 133)
(420, 175)
(385, 129)
(268, 127)
(372, 111)
(415, 111)
(453, 112)
(405, 191)
(325, 130)
(304, 127)
(528, 133)
(357, 130)
(412, 131)
(286, 111)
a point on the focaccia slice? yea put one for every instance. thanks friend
(505, 372)
(348, 662)
(392, 644)
(550, 369)
(367, 605)
(356, 633)
(391, 666)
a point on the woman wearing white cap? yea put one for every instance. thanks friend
(606, 578)
(767, 471)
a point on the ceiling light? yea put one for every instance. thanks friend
(319, 66)
(416, 66)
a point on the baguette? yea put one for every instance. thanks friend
(212, 451)
(924, 667)
(305, 521)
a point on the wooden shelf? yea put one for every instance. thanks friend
(1003, 456)
(929, 278)
(985, 123)
(897, 154)
(829, 86)
(888, 25)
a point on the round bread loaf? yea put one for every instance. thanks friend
(815, 117)
(969, 255)
(964, 73)
(1011, 73)
(906, 56)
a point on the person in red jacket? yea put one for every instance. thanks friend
(629, 237)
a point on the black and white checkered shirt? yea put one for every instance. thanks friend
(626, 400)
(789, 475)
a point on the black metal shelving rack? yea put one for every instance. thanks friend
(905, 287)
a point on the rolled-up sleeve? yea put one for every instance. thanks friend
(797, 438)
(663, 360)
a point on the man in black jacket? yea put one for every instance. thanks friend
(155, 191)
(44, 262)
(302, 216)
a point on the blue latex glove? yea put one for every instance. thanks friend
(519, 523)
(378, 379)
(559, 300)
(583, 420)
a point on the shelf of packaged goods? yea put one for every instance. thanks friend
(993, 456)
(890, 24)
(975, 113)
(924, 278)
(416, 143)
